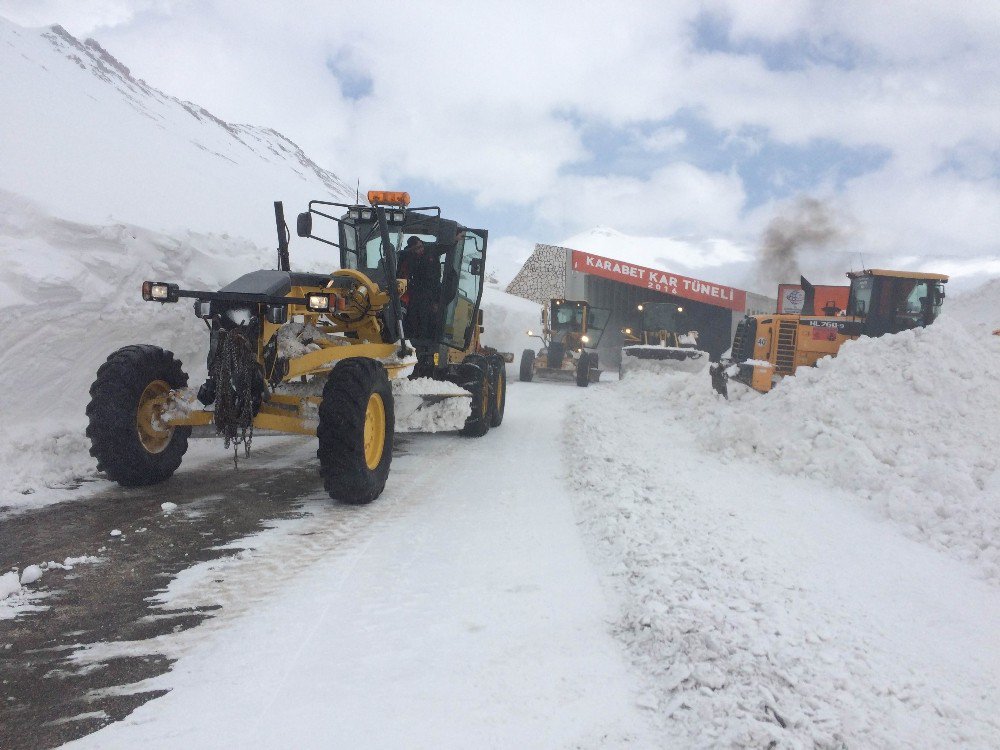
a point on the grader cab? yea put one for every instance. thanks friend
(569, 328)
(314, 354)
(769, 347)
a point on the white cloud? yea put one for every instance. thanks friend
(679, 198)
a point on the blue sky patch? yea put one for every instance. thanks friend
(354, 83)
(769, 170)
(712, 33)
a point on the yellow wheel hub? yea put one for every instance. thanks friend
(152, 434)
(374, 431)
(500, 390)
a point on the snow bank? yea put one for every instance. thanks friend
(910, 423)
(69, 296)
(753, 625)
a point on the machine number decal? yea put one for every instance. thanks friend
(762, 341)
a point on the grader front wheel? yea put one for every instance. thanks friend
(475, 374)
(127, 438)
(356, 422)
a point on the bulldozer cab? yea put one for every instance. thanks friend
(892, 301)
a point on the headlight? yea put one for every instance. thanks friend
(158, 291)
(585, 339)
(318, 302)
(530, 333)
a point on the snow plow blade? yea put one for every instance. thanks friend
(426, 405)
(551, 373)
(660, 359)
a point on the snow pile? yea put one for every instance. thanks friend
(751, 630)
(16, 597)
(428, 405)
(910, 423)
(660, 359)
(9, 584)
(69, 297)
(978, 309)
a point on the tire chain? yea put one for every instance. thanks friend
(235, 370)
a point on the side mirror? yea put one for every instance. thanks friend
(479, 317)
(476, 267)
(304, 225)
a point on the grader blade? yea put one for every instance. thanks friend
(426, 405)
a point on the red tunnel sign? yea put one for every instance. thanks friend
(660, 281)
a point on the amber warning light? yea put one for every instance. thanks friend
(388, 198)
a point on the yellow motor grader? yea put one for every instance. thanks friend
(314, 354)
(569, 328)
(769, 347)
(661, 342)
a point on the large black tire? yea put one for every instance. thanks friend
(356, 423)
(475, 373)
(131, 454)
(583, 370)
(498, 388)
(527, 366)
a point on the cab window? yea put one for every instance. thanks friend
(466, 278)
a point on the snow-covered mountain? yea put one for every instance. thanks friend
(90, 142)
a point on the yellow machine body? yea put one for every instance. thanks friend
(769, 347)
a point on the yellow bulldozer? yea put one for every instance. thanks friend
(569, 329)
(769, 347)
(334, 355)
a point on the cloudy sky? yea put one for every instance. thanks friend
(540, 120)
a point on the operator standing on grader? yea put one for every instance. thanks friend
(422, 298)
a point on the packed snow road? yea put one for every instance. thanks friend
(112, 552)
(594, 573)
(458, 609)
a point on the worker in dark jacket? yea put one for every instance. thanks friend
(422, 272)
